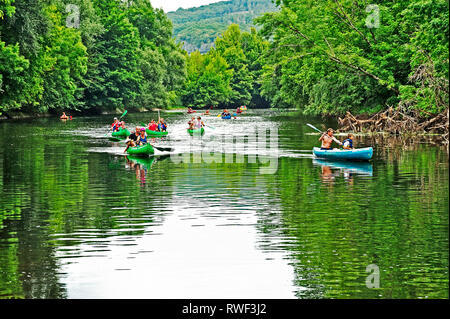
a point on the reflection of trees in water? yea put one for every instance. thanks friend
(60, 194)
(332, 234)
(394, 146)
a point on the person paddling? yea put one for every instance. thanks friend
(199, 123)
(191, 123)
(348, 143)
(152, 126)
(115, 125)
(162, 126)
(142, 138)
(132, 138)
(327, 139)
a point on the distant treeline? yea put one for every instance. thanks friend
(321, 57)
(198, 27)
(228, 75)
(86, 55)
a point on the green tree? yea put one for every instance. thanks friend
(118, 59)
(67, 59)
(208, 80)
(339, 59)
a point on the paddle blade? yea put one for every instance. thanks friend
(313, 127)
(124, 113)
(163, 149)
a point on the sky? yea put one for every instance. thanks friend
(172, 5)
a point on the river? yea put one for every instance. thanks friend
(243, 212)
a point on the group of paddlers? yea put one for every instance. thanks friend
(195, 124)
(328, 138)
(224, 113)
(160, 126)
(65, 117)
(139, 136)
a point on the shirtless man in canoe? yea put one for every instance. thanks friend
(327, 139)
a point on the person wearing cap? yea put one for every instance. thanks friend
(115, 125)
(132, 138)
(142, 138)
(327, 139)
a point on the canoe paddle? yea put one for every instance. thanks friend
(124, 113)
(163, 149)
(313, 127)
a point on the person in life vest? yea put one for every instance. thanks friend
(162, 126)
(115, 125)
(142, 138)
(327, 139)
(152, 126)
(199, 123)
(63, 116)
(132, 138)
(191, 123)
(122, 125)
(348, 143)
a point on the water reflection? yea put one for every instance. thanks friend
(81, 223)
(142, 166)
(330, 170)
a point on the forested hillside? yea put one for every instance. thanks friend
(198, 27)
(86, 55)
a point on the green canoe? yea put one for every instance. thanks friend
(155, 133)
(144, 150)
(196, 132)
(121, 133)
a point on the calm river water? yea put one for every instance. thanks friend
(259, 219)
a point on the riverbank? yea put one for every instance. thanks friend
(398, 122)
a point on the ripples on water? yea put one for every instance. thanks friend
(79, 219)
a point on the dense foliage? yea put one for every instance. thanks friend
(86, 54)
(331, 56)
(198, 27)
(322, 57)
(227, 75)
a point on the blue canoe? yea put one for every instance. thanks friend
(358, 154)
(226, 117)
